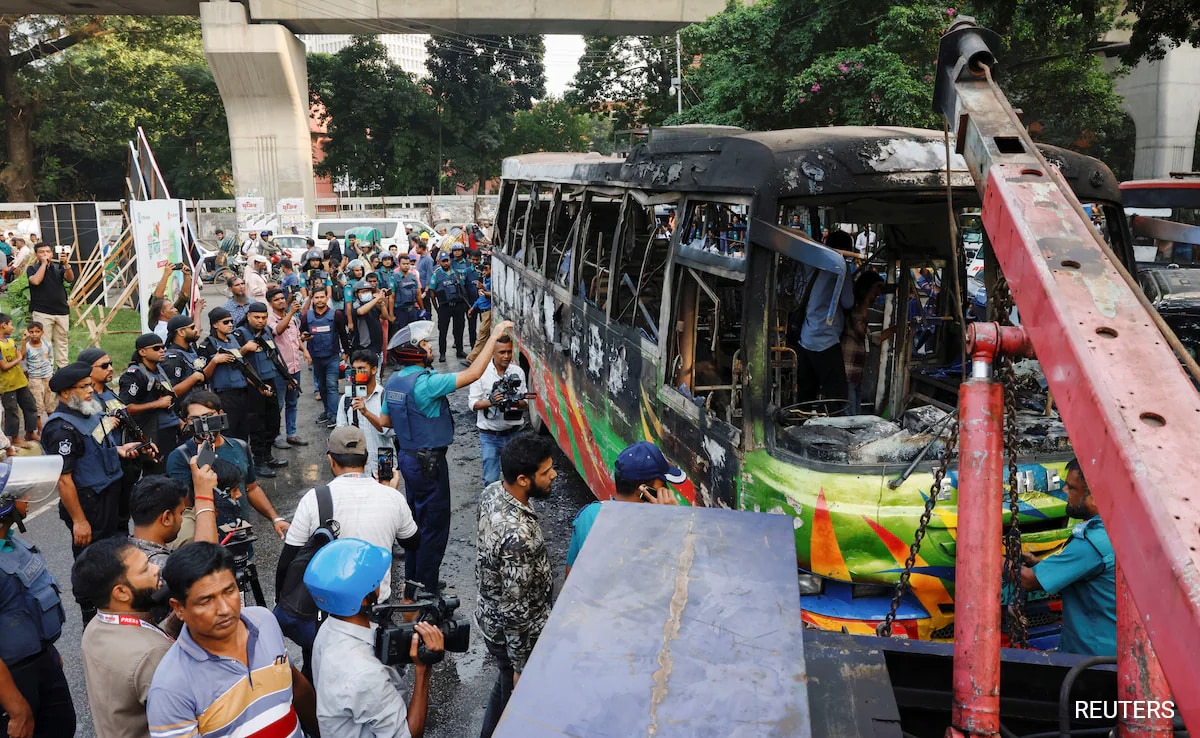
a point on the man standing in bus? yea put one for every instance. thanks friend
(1084, 572)
(415, 406)
(821, 371)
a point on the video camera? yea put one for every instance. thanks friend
(209, 425)
(394, 639)
(238, 538)
(509, 386)
(316, 279)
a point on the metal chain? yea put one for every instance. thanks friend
(1017, 621)
(884, 629)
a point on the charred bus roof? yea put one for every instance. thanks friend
(800, 162)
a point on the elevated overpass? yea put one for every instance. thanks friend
(260, 69)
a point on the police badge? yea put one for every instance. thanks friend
(64, 448)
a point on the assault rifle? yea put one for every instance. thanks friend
(134, 430)
(272, 351)
(247, 371)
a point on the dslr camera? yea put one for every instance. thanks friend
(62, 250)
(509, 387)
(394, 639)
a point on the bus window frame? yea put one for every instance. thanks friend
(503, 227)
(585, 213)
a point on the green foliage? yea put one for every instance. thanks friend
(550, 125)
(1158, 20)
(627, 79)
(16, 299)
(138, 71)
(380, 123)
(801, 63)
(478, 84)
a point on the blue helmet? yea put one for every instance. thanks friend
(345, 571)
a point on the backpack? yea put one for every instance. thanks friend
(293, 595)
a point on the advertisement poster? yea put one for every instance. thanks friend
(158, 242)
(251, 214)
(291, 215)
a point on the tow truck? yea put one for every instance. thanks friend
(686, 624)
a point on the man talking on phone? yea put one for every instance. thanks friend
(641, 474)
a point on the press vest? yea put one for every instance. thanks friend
(406, 291)
(31, 612)
(414, 430)
(324, 341)
(226, 376)
(100, 465)
(260, 360)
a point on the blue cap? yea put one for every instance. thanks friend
(343, 572)
(643, 461)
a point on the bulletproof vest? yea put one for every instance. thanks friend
(30, 609)
(111, 403)
(152, 420)
(100, 465)
(406, 291)
(415, 431)
(450, 287)
(188, 358)
(226, 376)
(324, 341)
(260, 360)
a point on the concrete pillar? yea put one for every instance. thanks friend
(262, 75)
(1163, 98)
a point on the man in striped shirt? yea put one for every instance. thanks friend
(229, 672)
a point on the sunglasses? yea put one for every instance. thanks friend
(226, 320)
(159, 347)
(105, 365)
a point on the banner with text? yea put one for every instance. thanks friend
(158, 241)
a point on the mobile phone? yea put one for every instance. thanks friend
(649, 494)
(387, 464)
(206, 456)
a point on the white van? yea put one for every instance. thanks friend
(391, 230)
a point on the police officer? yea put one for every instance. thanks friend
(324, 329)
(262, 412)
(450, 290)
(150, 398)
(222, 350)
(89, 486)
(313, 275)
(35, 699)
(415, 406)
(408, 302)
(102, 374)
(185, 368)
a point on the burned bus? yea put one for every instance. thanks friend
(656, 295)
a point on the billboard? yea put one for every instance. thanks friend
(158, 242)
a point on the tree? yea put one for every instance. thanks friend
(1158, 25)
(627, 78)
(25, 40)
(379, 122)
(148, 72)
(551, 125)
(478, 84)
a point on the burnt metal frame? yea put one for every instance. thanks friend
(1133, 430)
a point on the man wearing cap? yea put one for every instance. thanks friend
(450, 291)
(186, 370)
(102, 373)
(408, 301)
(222, 350)
(262, 405)
(149, 397)
(641, 474)
(416, 408)
(89, 486)
(364, 508)
(256, 278)
(371, 308)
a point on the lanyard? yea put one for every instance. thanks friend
(132, 620)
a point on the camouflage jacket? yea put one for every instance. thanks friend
(514, 575)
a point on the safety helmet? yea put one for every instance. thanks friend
(356, 264)
(361, 285)
(413, 333)
(312, 254)
(342, 572)
(265, 233)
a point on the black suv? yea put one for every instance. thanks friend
(1175, 294)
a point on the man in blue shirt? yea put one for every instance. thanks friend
(415, 406)
(821, 371)
(641, 474)
(1084, 573)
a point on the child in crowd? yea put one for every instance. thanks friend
(14, 386)
(38, 370)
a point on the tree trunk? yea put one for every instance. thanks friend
(17, 175)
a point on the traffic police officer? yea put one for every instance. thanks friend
(262, 413)
(185, 368)
(222, 350)
(35, 699)
(415, 406)
(1084, 572)
(150, 397)
(89, 486)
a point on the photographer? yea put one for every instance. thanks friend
(201, 404)
(48, 295)
(364, 508)
(160, 309)
(313, 275)
(416, 408)
(363, 406)
(494, 407)
(372, 306)
(357, 695)
(284, 322)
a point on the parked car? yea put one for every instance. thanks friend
(295, 246)
(1175, 294)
